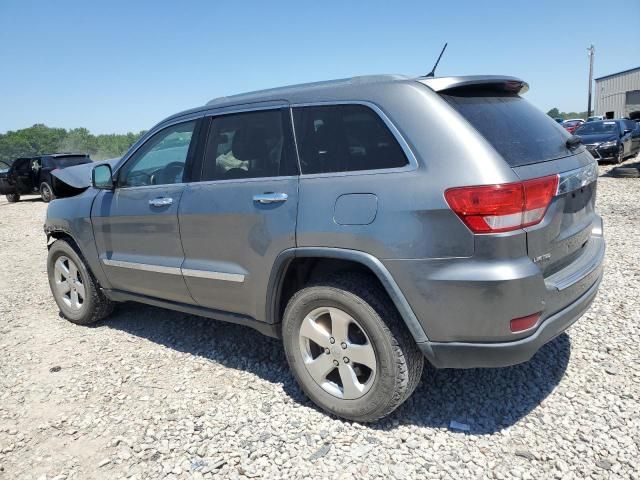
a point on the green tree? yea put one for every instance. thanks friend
(40, 139)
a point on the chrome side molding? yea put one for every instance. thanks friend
(142, 266)
(225, 276)
(229, 277)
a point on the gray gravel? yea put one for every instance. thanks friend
(157, 394)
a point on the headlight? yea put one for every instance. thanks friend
(612, 143)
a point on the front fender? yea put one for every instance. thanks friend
(72, 217)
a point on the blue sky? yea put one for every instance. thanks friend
(122, 66)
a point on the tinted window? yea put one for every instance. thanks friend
(596, 128)
(521, 133)
(161, 160)
(249, 145)
(61, 162)
(344, 138)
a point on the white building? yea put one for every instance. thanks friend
(618, 94)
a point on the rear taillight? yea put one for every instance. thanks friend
(503, 207)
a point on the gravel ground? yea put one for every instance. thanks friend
(156, 394)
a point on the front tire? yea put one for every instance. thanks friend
(46, 192)
(349, 349)
(13, 197)
(74, 289)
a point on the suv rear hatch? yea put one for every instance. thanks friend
(534, 146)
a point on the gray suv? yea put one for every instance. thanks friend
(369, 222)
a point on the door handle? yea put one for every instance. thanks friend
(161, 201)
(270, 197)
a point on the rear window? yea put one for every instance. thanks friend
(61, 162)
(521, 133)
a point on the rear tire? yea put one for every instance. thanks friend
(46, 192)
(13, 197)
(74, 288)
(626, 172)
(390, 363)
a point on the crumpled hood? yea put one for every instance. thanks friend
(597, 138)
(79, 177)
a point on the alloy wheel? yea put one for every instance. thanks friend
(337, 353)
(46, 193)
(68, 282)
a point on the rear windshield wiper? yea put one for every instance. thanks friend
(573, 142)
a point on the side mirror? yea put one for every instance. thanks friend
(625, 131)
(102, 177)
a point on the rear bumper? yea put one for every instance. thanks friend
(477, 355)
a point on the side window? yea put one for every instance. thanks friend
(22, 166)
(249, 145)
(161, 160)
(344, 138)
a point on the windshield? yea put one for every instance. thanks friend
(521, 133)
(596, 128)
(61, 162)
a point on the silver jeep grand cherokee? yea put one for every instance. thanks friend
(369, 222)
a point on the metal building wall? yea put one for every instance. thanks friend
(611, 92)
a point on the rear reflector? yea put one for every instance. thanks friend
(524, 323)
(503, 207)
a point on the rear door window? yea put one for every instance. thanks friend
(250, 145)
(520, 133)
(344, 138)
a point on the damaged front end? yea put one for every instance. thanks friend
(72, 181)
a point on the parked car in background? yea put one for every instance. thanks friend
(595, 118)
(571, 125)
(301, 211)
(610, 140)
(30, 175)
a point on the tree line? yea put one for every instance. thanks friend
(40, 139)
(555, 113)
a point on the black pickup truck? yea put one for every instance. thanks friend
(29, 175)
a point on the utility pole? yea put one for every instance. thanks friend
(592, 52)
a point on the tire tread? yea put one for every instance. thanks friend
(409, 359)
(102, 306)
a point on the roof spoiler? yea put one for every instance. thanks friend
(489, 82)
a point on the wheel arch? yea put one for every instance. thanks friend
(363, 261)
(58, 231)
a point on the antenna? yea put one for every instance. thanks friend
(432, 73)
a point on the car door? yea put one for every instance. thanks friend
(241, 213)
(625, 137)
(136, 225)
(635, 136)
(23, 175)
(6, 182)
